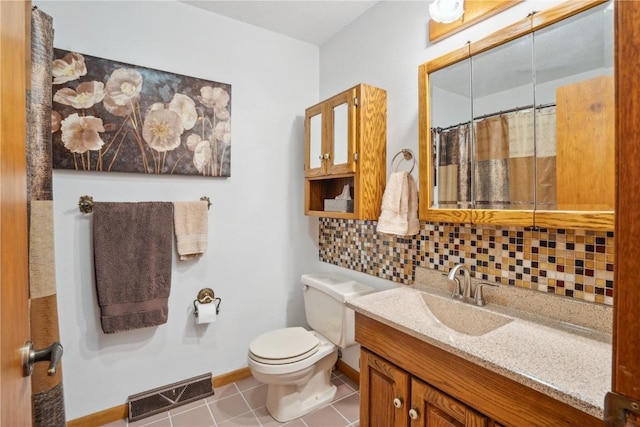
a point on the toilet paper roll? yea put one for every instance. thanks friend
(206, 313)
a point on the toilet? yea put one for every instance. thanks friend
(296, 363)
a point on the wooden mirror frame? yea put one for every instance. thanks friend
(590, 220)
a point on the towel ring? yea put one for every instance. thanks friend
(406, 155)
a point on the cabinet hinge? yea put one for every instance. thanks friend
(355, 101)
(355, 157)
(615, 408)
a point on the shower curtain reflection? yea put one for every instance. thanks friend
(506, 161)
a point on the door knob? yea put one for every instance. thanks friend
(52, 354)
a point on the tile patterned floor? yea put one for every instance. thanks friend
(242, 404)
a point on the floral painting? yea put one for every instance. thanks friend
(114, 117)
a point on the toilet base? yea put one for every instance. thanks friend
(286, 402)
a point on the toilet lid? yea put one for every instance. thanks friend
(282, 346)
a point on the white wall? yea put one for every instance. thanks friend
(259, 240)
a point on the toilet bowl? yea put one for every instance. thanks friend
(296, 363)
(297, 384)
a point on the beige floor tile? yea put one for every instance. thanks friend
(325, 417)
(223, 391)
(354, 385)
(295, 423)
(256, 396)
(227, 408)
(187, 407)
(243, 420)
(164, 422)
(266, 419)
(349, 407)
(247, 383)
(197, 417)
(343, 389)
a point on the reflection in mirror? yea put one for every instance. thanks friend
(315, 142)
(575, 164)
(503, 154)
(450, 91)
(341, 134)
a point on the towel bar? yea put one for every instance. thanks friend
(406, 155)
(86, 203)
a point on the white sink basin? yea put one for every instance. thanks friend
(464, 318)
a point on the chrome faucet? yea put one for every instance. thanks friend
(463, 290)
(460, 290)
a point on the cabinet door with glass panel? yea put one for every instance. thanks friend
(330, 129)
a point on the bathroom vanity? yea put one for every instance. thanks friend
(428, 360)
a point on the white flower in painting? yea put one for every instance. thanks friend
(202, 155)
(124, 86)
(86, 95)
(162, 130)
(56, 118)
(69, 68)
(80, 134)
(116, 110)
(222, 131)
(216, 98)
(186, 109)
(192, 141)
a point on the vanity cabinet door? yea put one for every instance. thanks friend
(432, 408)
(384, 392)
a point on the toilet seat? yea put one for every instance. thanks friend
(283, 346)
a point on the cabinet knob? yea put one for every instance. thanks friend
(326, 156)
(397, 402)
(413, 414)
(320, 157)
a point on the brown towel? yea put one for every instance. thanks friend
(132, 257)
(191, 221)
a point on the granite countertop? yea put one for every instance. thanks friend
(570, 364)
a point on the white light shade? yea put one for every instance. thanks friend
(446, 11)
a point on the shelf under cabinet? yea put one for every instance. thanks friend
(319, 189)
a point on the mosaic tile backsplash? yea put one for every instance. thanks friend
(573, 263)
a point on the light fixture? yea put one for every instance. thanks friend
(446, 11)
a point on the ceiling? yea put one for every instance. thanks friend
(311, 21)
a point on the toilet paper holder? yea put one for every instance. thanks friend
(206, 296)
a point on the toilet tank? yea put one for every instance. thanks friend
(325, 296)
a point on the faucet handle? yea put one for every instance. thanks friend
(477, 294)
(457, 291)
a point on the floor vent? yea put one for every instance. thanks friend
(164, 398)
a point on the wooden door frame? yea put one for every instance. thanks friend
(626, 322)
(15, 389)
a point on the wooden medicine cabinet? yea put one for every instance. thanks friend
(518, 128)
(346, 144)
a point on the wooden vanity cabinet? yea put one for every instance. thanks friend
(444, 389)
(391, 397)
(346, 144)
(384, 392)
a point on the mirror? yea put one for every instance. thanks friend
(315, 141)
(579, 84)
(503, 138)
(341, 134)
(451, 98)
(518, 128)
